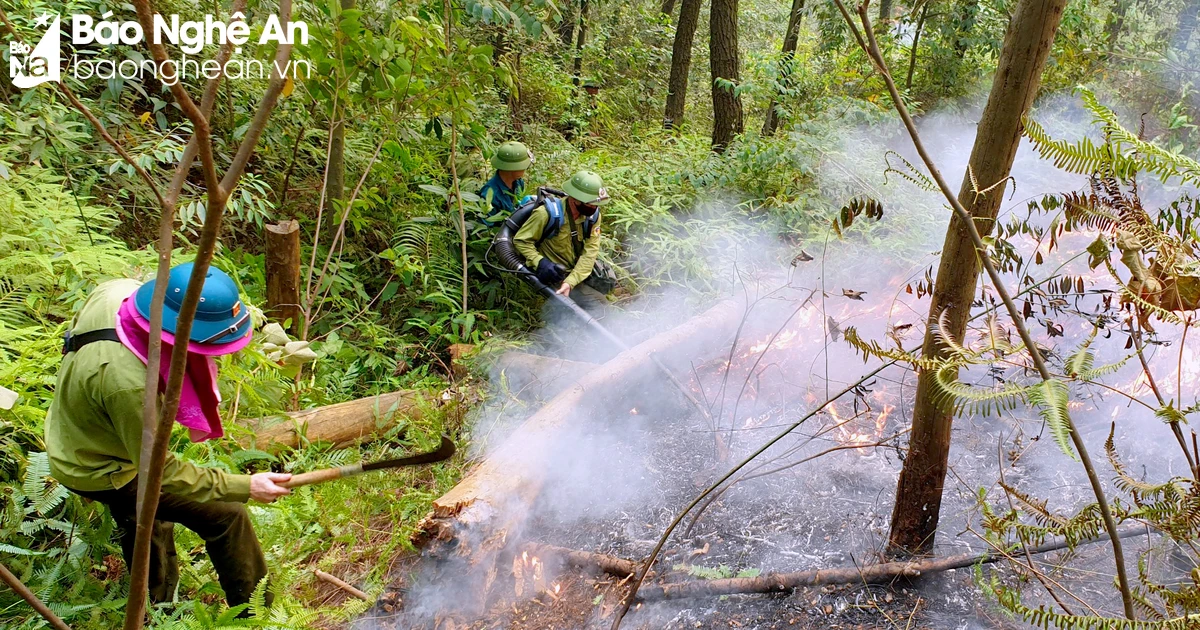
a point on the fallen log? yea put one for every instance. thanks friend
(870, 574)
(507, 476)
(531, 377)
(612, 565)
(343, 424)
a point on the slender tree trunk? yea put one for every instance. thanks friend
(791, 38)
(566, 28)
(335, 183)
(912, 53)
(885, 13)
(681, 62)
(668, 8)
(1186, 25)
(1115, 23)
(723, 53)
(964, 16)
(580, 41)
(1023, 56)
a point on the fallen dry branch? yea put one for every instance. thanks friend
(334, 580)
(343, 424)
(612, 565)
(498, 481)
(876, 573)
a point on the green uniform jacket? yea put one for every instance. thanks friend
(94, 428)
(559, 248)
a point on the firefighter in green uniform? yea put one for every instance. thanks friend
(561, 241)
(94, 427)
(507, 185)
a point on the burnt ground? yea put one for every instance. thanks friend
(623, 467)
(627, 477)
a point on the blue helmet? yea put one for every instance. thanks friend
(220, 317)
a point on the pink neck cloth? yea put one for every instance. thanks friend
(199, 400)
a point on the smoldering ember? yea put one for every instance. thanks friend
(582, 315)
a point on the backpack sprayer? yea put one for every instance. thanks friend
(514, 262)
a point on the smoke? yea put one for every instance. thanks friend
(611, 475)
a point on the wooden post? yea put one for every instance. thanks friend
(283, 273)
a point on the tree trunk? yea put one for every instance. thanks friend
(282, 262)
(885, 12)
(566, 28)
(912, 53)
(579, 43)
(681, 62)
(1018, 75)
(1115, 23)
(790, 38)
(963, 19)
(1185, 26)
(335, 182)
(723, 53)
(668, 7)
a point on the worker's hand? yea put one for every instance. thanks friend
(263, 486)
(564, 290)
(548, 272)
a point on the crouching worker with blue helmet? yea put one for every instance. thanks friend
(94, 427)
(561, 241)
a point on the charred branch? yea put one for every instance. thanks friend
(873, 574)
(586, 560)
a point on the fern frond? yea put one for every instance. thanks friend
(956, 348)
(1139, 490)
(1147, 156)
(1082, 359)
(910, 172)
(955, 396)
(1083, 157)
(873, 349)
(1051, 398)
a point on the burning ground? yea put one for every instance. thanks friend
(612, 475)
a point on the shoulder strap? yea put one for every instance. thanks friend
(554, 209)
(72, 342)
(590, 223)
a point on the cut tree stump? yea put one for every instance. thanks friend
(503, 479)
(283, 273)
(343, 424)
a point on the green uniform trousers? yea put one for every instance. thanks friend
(224, 526)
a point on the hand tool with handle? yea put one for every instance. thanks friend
(443, 452)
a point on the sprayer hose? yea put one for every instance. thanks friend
(508, 255)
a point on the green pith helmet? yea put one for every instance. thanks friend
(512, 156)
(586, 187)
